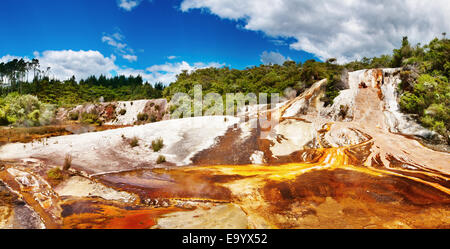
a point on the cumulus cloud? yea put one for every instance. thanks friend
(128, 5)
(64, 64)
(116, 41)
(8, 57)
(344, 29)
(273, 58)
(165, 73)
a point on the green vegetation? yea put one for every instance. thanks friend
(161, 159)
(67, 162)
(262, 79)
(74, 116)
(157, 144)
(134, 142)
(14, 78)
(55, 174)
(153, 118)
(142, 117)
(24, 110)
(424, 90)
(90, 118)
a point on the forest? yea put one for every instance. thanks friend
(424, 91)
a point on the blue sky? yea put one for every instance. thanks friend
(153, 32)
(159, 38)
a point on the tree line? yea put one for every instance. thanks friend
(424, 91)
(27, 77)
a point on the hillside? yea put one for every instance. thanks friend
(300, 164)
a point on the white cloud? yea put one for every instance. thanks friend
(171, 57)
(129, 57)
(116, 41)
(113, 42)
(273, 58)
(65, 63)
(166, 73)
(345, 29)
(128, 5)
(8, 57)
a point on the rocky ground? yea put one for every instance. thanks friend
(354, 164)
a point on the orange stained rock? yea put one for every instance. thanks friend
(111, 217)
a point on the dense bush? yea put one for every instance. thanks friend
(157, 144)
(74, 116)
(262, 79)
(90, 118)
(55, 174)
(426, 91)
(69, 92)
(25, 110)
(134, 142)
(161, 159)
(142, 117)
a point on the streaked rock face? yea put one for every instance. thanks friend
(354, 164)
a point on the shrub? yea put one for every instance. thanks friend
(343, 110)
(74, 116)
(90, 118)
(161, 159)
(142, 116)
(153, 118)
(67, 162)
(157, 144)
(122, 111)
(134, 142)
(157, 107)
(25, 110)
(55, 174)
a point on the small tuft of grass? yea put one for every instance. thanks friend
(122, 112)
(74, 116)
(67, 162)
(153, 118)
(161, 159)
(157, 144)
(142, 116)
(55, 174)
(134, 142)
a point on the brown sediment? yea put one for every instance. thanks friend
(44, 211)
(342, 198)
(376, 197)
(381, 181)
(162, 183)
(29, 134)
(228, 149)
(100, 214)
(358, 155)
